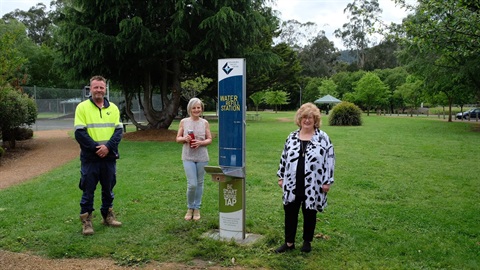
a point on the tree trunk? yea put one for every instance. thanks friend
(170, 98)
(450, 101)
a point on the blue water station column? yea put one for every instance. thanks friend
(230, 174)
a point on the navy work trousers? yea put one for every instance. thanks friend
(91, 173)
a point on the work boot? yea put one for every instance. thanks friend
(87, 226)
(109, 219)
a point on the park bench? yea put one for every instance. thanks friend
(255, 116)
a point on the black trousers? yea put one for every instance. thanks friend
(291, 221)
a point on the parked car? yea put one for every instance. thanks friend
(472, 113)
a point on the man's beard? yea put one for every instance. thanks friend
(98, 97)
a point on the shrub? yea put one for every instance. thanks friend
(20, 134)
(16, 109)
(345, 114)
(32, 111)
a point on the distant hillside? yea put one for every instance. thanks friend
(347, 57)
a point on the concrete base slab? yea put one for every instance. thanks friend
(249, 237)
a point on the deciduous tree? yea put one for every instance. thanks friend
(346, 81)
(191, 88)
(12, 62)
(410, 93)
(276, 98)
(311, 90)
(440, 42)
(328, 87)
(371, 91)
(257, 98)
(393, 78)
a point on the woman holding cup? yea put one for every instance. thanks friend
(194, 133)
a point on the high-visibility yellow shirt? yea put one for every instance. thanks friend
(99, 123)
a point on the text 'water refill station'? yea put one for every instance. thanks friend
(230, 175)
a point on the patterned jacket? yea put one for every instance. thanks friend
(319, 168)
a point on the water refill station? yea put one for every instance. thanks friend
(230, 175)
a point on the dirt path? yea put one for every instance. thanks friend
(21, 261)
(47, 150)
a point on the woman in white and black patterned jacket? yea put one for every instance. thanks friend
(305, 174)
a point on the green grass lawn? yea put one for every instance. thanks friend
(406, 196)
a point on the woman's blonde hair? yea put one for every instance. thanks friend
(192, 102)
(306, 110)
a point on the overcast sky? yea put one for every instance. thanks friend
(7, 6)
(327, 14)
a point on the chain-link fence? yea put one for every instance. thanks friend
(62, 102)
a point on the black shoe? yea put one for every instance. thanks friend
(307, 247)
(284, 248)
